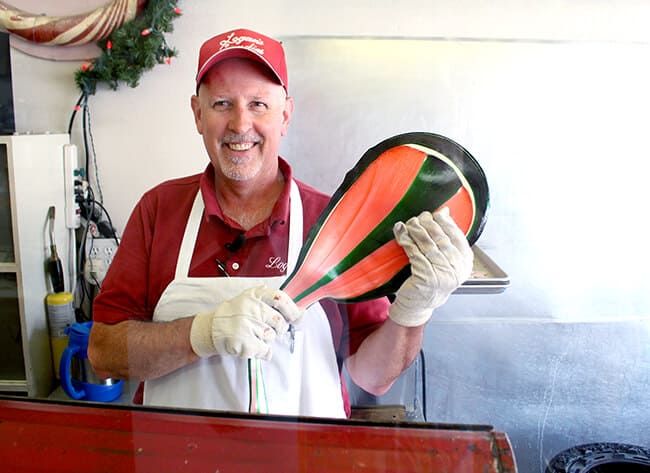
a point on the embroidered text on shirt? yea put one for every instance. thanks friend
(275, 262)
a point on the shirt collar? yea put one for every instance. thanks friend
(280, 213)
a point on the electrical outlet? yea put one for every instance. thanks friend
(99, 256)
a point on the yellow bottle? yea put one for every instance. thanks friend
(60, 312)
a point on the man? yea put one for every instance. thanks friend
(202, 257)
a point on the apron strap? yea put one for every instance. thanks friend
(189, 237)
(194, 222)
(295, 229)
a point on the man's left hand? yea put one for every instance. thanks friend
(441, 260)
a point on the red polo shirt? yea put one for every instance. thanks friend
(145, 262)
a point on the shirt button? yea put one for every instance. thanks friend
(235, 266)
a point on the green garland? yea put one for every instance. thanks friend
(129, 51)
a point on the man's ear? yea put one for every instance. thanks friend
(286, 114)
(195, 103)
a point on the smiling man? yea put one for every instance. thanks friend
(191, 296)
(241, 113)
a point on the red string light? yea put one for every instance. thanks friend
(145, 32)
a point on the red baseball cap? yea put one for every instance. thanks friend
(247, 44)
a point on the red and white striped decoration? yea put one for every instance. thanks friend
(69, 30)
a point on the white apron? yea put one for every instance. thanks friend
(304, 382)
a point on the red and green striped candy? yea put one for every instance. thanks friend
(350, 253)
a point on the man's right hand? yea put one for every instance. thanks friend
(244, 326)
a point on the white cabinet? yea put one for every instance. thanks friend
(31, 181)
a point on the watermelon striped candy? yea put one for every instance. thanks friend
(350, 253)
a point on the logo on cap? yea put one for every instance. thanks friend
(254, 44)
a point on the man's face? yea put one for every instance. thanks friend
(242, 113)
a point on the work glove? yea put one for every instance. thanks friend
(441, 260)
(244, 326)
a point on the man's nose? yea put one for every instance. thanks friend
(240, 120)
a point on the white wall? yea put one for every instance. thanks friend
(551, 98)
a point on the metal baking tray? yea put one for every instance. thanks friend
(486, 278)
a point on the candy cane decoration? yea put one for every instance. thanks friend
(69, 30)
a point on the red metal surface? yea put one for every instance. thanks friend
(42, 436)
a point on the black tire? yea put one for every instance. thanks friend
(601, 458)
